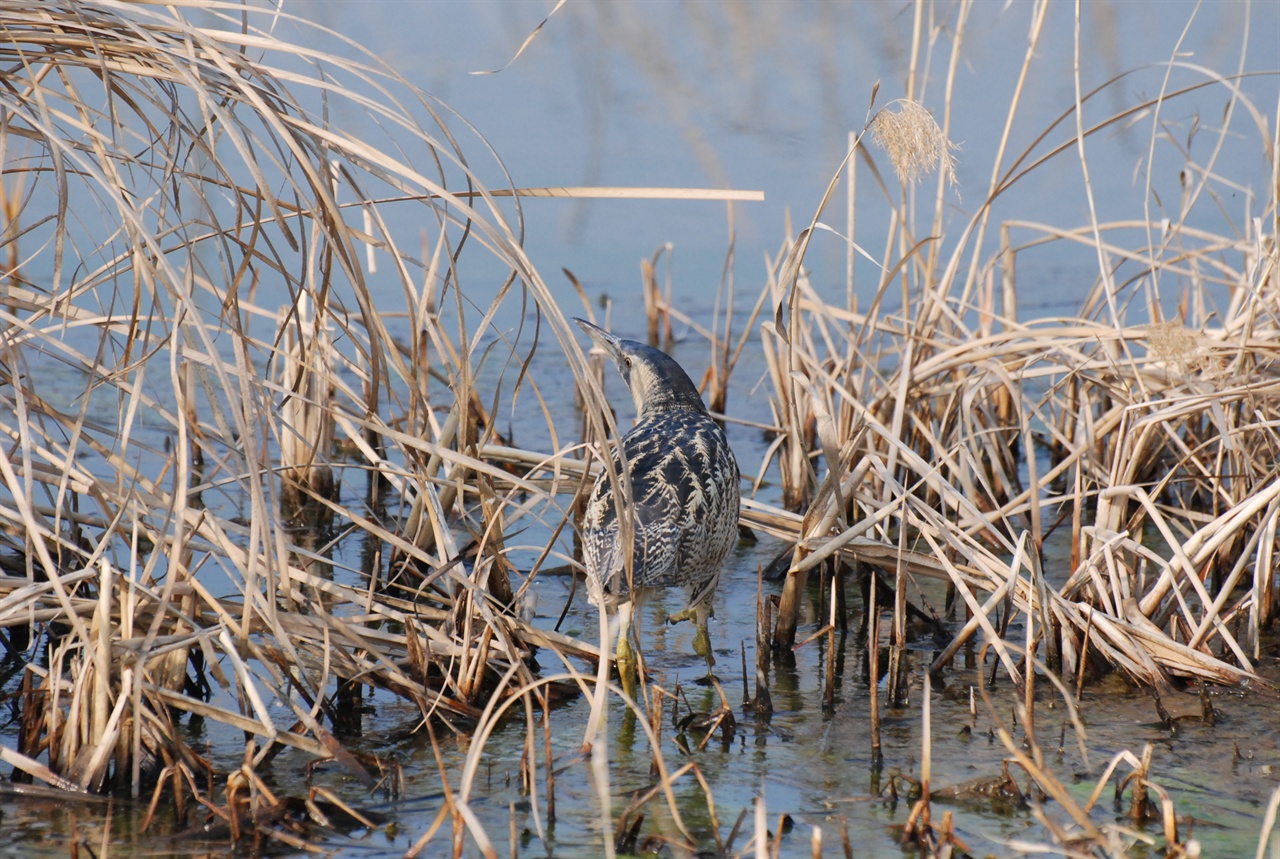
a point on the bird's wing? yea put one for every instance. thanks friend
(654, 506)
(677, 471)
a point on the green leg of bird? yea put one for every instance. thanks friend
(625, 657)
(702, 638)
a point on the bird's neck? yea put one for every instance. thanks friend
(650, 409)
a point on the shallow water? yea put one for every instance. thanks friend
(807, 761)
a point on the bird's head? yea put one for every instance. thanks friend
(656, 381)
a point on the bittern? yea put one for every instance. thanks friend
(677, 483)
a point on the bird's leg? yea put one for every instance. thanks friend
(702, 638)
(684, 614)
(625, 657)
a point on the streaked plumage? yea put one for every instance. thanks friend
(684, 491)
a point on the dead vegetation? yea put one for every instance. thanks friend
(202, 390)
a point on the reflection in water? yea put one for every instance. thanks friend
(762, 95)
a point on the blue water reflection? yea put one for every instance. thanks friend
(762, 96)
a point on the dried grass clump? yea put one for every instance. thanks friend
(1180, 349)
(914, 440)
(933, 433)
(217, 330)
(913, 141)
(196, 349)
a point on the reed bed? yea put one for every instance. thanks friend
(170, 501)
(204, 389)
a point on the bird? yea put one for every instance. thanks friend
(683, 500)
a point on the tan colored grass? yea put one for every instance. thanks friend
(915, 144)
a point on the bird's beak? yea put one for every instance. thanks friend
(606, 341)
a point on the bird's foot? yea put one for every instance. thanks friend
(686, 614)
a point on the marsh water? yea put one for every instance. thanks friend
(762, 96)
(807, 760)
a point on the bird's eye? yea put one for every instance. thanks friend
(627, 360)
